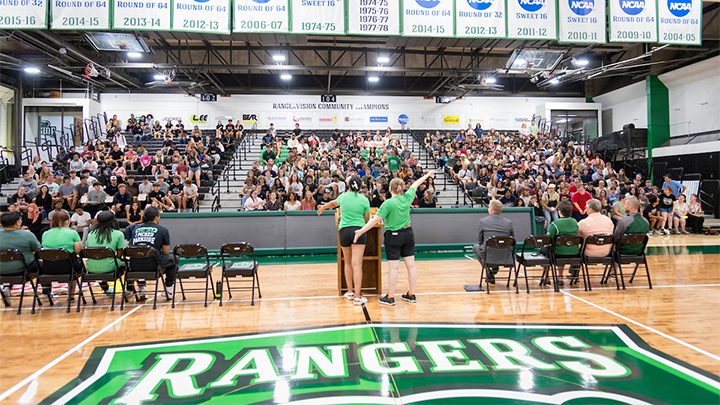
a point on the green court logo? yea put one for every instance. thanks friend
(395, 363)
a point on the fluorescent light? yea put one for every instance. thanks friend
(491, 80)
(159, 77)
(554, 81)
(581, 62)
(278, 58)
(32, 70)
(383, 59)
(134, 55)
(286, 76)
(373, 79)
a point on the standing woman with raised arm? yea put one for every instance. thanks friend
(354, 213)
(399, 238)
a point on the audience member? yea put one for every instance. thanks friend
(491, 226)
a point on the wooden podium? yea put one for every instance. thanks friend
(372, 260)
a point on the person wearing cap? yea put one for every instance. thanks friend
(151, 234)
(112, 188)
(549, 202)
(107, 235)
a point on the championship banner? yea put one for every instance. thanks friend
(480, 18)
(209, 16)
(318, 17)
(16, 14)
(428, 18)
(373, 17)
(582, 21)
(633, 21)
(680, 22)
(270, 16)
(531, 19)
(80, 14)
(148, 15)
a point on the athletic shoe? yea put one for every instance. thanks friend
(349, 296)
(142, 293)
(409, 298)
(545, 281)
(359, 301)
(490, 277)
(169, 291)
(384, 300)
(560, 283)
(7, 297)
(667, 231)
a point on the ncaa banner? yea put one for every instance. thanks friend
(147, 15)
(26, 14)
(428, 18)
(373, 17)
(80, 14)
(532, 19)
(480, 18)
(582, 21)
(318, 17)
(633, 21)
(680, 22)
(206, 16)
(261, 16)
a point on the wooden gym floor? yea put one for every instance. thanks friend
(40, 353)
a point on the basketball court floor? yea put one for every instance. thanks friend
(301, 343)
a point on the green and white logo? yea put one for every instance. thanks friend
(395, 363)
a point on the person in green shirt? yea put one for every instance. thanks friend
(13, 237)
(60, 236)
(105, 235)
(565, 225)
(399, 237)
(354, 213)
(393, 161)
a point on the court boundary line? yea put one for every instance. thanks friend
(636, 323)
(65, 355)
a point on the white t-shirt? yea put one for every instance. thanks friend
(190, 191)
(81, 220)
(292, 207)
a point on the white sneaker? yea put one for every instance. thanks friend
(169, 291)
(6, 294)
(360, 301)
(349, 296)
(142, 293)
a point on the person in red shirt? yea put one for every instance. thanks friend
(574, 186)
(579, 200)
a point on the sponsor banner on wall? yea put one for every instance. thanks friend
(531, 19)
(451, 119)
(23, 14)
(249, 119)
(480, 18)
(149, 15)
(302, 119)
(278, 120)
(426, 120)
(261, 16)
(198, 119)
(428, 18)
(206, 16)
(80, 14)
(373, 17)
(403, 119)
(633, 21)
(318, 17)
(582, 21)
(378, 119)
(680, 22)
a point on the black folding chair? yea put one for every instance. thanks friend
(498, 243)
(57, 264)
(193, 270)
(568, 241)
(8, 256)
(101, 253)
(627, 240)
(607, 261)
(236, 262)
(145, 271)
(527, 259)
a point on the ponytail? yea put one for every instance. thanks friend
(355, 184)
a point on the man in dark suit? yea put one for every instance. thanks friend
(489, 227)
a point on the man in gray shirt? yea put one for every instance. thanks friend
(489, 227)
(76, 164)
(30, 185)
(67, 193)
(96, 199)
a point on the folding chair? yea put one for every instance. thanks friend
(568, 240)
(61, 263)
(236, 263)
(633, 239)
(12, 255)
(535, 259)
(145, 272)
(607, 261)
(193, 270)
(101, 253)
(498, 243)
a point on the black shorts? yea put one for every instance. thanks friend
(399, 243)
(347, 234)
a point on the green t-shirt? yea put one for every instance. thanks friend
(117, 241)
(620, 209)
(393, 163)
(396, 211)
(353, 207)
(60, 238)
(25, 242)
(564, 226)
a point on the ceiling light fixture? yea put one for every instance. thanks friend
(286, 76)
(491, 80)
(554, 81)
(159, 77)
(32, 70)
(278, 58)
(373, 79)
(134, 55)
(383, 59)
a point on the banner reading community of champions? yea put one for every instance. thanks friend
(373, 17)
(680, 22)
(480, 18)
(633, 21)
(207, 16)
(147, 15)
(531, 19)
(23, 14)
(318, 17)
(582, 21)
(428, 18)
(261, 16)
(80, 14)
